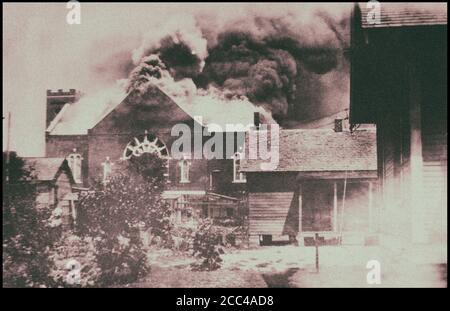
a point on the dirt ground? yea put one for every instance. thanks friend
(291, 266)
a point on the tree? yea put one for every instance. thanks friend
(26, 234)
(14, 167)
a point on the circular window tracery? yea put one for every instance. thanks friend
(147, 143)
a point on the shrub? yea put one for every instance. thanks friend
(207, 247)
(74, 262)
(27, 236)
(183, 238)
(115, 213)
(122, 260)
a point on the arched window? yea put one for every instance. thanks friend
(74, 161)
(184, 171)
(238, 176)
(147, 143)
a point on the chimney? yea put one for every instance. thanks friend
(256, 119)
(338, 125)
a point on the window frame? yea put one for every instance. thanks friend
(242, 178)
(184, 171)
(74, 160)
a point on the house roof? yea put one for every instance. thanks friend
(406, 14)
(45, 169)
(322, 150)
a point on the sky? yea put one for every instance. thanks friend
(42, 51)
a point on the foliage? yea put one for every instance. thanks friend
(27, 236)
(14, 167)
(122, 260)
(148, 166)
(116, 212)
(207, 247)
(74, 262)
(183, 237)
(107, 248)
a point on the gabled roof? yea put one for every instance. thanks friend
(322, 150)
(46, 169)
(78, 118)
(406, 14)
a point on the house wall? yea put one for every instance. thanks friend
(404, 91)
(282, 204)
(434, 140)
(45, 195)
(273, 200)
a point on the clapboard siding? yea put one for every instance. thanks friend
(434, 147)
(273, 213)
(434, 150)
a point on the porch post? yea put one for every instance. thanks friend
(335, 210)
(299, 212)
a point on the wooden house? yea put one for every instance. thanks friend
(399, 82)
(324, 183)
(53, 182)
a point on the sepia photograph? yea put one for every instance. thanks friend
(224, 145)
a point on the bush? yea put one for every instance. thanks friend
(207, 247)
(27, 238)
(183, 238)
(116, 212)
(74, 262)
(122, 260)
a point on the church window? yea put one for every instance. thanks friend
(184, 171)
(238, 176)
(74, 160)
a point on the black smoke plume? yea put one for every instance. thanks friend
(291, 69)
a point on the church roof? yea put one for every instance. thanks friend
(79, 117)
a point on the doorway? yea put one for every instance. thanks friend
(317, 206)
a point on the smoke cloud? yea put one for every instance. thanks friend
(290, 65)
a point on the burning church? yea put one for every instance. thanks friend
(276, 72)
(137, 125)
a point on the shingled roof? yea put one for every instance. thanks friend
(406, 14)
(45, 169)
(322, 150)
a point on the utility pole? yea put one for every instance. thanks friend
(8, 146)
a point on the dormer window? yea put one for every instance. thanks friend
(184, 171)
(74, 161)
(238, 176)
